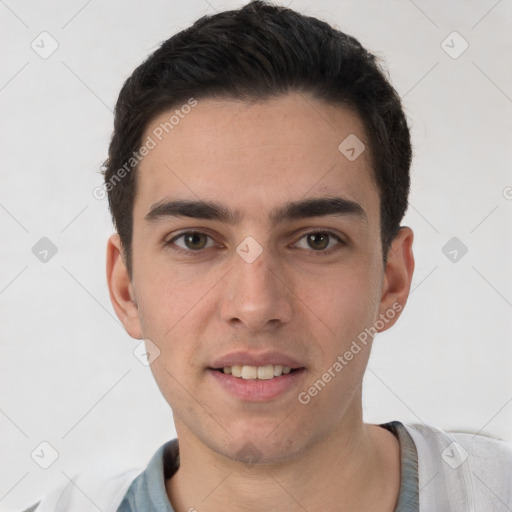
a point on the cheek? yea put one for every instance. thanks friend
(168, 318)
(169, 298)
(173, 306)
(343, 304)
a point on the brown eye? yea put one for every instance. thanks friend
(192, 241)
(319, 241)
(195, 240)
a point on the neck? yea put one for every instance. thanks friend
(355, 468)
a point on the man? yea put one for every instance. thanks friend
(257, 176)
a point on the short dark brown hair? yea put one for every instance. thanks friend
(258, 52)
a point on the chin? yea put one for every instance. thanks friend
(264, 449)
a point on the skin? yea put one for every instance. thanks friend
(310, 304)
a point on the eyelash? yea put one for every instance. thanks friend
(199, 252)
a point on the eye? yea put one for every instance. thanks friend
(320, 240)
(192, 241)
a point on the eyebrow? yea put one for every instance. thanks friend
(295, 210)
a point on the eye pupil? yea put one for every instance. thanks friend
(195, 240)
(318, 238)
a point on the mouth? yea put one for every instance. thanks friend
(252, 376)
(248, 372)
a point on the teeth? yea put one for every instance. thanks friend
(249, 372)
(257, 372)
(236, 371)
(266, 372)
(278, 370)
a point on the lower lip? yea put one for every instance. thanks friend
(256, 390)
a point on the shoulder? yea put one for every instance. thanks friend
(91, 490)
(462, 471)
(105, 485)
(455, 448)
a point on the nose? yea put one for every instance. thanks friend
(257, 295)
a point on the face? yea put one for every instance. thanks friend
(257, 250)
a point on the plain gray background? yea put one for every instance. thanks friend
(68, 373)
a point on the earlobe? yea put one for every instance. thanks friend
(397, 277)
(122, 293)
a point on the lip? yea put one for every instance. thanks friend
(251, 358)
(257, 390)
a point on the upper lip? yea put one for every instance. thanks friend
(250, 358)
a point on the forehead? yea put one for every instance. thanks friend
(256, 155)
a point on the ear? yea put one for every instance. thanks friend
(397, 279)
(121, 290)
